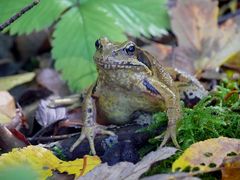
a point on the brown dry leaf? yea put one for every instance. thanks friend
(231, 168)
(7, 107)
(161, 52)
(207, 154)
(201, 41)
(127, 170)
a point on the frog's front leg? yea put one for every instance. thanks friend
(90, 127)
(170, 96)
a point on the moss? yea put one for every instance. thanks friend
(216, 115)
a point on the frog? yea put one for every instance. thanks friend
(131, 79)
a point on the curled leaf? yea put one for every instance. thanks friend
(46, 115)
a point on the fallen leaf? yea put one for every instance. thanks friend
(201, 41)
(44, 162)
(174, 176)
(46, 115)
(161, 52)
(7, 107)
(207, 154)
(127, 170)
(9, 82)
(231, 168)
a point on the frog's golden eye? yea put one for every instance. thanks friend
(130, 49)
(98, 44)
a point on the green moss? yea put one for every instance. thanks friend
(216, 115)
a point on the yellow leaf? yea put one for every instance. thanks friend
(207, 154)
(44, 162)
(9, 82)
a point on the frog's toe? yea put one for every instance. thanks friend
(174, 138)
(80, 139)
(165, 139)
(89, 133)
(103, 131)
(92, 147)
(170, 133)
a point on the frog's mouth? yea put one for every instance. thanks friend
(116, 65)
(111, 64)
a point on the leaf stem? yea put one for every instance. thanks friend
(18, 15)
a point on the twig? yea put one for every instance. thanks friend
(43, 130)
(59, 137)
(18, 15)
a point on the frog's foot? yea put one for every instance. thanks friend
(89, 133)
(170, 133)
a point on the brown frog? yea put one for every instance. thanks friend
(130, 79)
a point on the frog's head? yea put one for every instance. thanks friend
(125, 55)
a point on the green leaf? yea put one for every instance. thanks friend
(10, 7)
(80, 73)
(79, 27)
(146, 17)
(38, 18)
(74, 38)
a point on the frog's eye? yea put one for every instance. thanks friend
(130, 49)
(98, 44)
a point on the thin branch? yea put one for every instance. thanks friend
(18, 15)
(59, 137)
